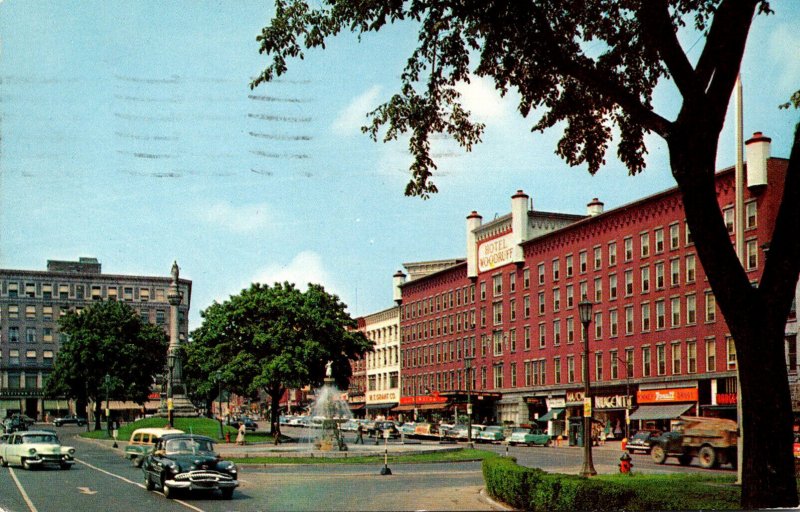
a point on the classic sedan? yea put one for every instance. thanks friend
(491, 434)
(188, 462)
(529, 436)
(36, 448)
(70, 419)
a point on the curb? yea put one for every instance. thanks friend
(497, 505)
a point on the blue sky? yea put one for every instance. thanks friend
(129, 133)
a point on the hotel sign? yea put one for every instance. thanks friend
(657, 396)
(495, 253)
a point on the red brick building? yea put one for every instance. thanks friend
(659, 346)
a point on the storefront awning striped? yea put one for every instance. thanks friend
(552, 414)
(660, 412)
(388, 405)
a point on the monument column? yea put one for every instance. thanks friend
(176, 390)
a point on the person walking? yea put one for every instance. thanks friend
(360, 433)
(240, 435)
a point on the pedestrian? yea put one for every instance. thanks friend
(360, 433)
(240, 436)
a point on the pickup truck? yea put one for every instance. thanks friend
(712, 440)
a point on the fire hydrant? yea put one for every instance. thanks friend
(227, 437)
(625, 464)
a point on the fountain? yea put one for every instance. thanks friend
(334, 411)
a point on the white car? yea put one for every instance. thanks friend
(36, 448)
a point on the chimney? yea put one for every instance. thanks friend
(519, 224)
(594, 208)
(473, 222)
(758, 152)
(397, 281)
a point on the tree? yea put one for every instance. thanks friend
(272, 338)
(540, 49)
(107, 338)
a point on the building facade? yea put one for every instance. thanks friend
(31, 302)
(383, 363)
(659, 346)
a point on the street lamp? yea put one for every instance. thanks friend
(171, 365)
(585, 312)
(467, 367)
(219, 390)
(107, 382)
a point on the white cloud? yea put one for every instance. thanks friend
(354, 116)
(306, 267)
(246, 218)
(480, 97)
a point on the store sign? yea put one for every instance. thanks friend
(726, 398)
(433, 398)
(382, 396)
(651, 396)
(495, 253)
(574, 397)
(556, 403)
(612, 402)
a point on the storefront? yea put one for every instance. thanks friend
(613, 412)
(424, 408)
(658, 407)
(553, 421)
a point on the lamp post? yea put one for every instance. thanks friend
(585, 312)
(171, 365)
(219, 397)
(467, 368)
(107, 382)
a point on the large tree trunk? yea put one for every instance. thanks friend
(275, 413)
(98, 410)
(756, 316)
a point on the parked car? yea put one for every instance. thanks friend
(36, 448)
(188, 462)
(426, 430)
(460, 431)
(379, 428)
(142, 442)
(643, 441)
(14, 424)
(407, 428)
(69, 419)
(249, 424)
(491, 434)
(529, 437)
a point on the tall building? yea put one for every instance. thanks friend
(31, 303)
(659, 345)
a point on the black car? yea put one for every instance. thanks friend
(380, 427)
(249, 424)
(188, 462)
(643, 441)
(70, 419)
(14, 424)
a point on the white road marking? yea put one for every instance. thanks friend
(86, 490)
(187, 505)
(22, 491)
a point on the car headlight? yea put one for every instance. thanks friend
(32, 451)
(71, 451)
(232, 469)
(174, 469)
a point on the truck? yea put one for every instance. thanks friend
(712, 440)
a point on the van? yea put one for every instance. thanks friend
(142, 442)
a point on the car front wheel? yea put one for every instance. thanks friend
(659, 455)
(148, 483)
(26, 465)
(168, 492)
(227, 494)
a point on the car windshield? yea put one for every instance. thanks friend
(189, 445)
(40, 439)
(520, 430)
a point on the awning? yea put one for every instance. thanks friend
(356, 407)
(403, 408)
(660, 412)
(381, 406)
(432, 407)
(552, 414)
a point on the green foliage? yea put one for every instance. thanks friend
(107, 338)
(273, 337)
(461, 455)
(533, 489)
(199, 426)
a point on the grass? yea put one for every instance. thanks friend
(444, 456)
(200, 426)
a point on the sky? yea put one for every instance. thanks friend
(129, 133)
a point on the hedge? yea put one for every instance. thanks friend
(534, 489)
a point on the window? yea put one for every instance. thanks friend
(541, 273)
(689, 239)
(497, 313)
(644, 244)
(661, 316)
(557, 370)
(556, 299)
(570, 296)
(555, 269)
(542, 335)
(613, 365)
(483, 317)
(691, 271)
(97, 292)
(598, 289)
(676, 358)
(711, 355)
(691, 309)
(30, 290)
(674, 236)
(483, 291)
(645, 317)
(13, 311)
(513, 375)
(711, 307)
(127, 293)
(160, 317)
(646, 362)
(512, 342)
(526, 306)
(144, 314)
(751, 215)
(47, 291)
(13, 359)
(527, 336)
(556, 333)
(568, 265)
(628, 283)
(63, 291)
(659, 275)
(598, 325)
(628, 319)
(13, 290)
(728, 216)
(598, 366)
(79, 291)
(570, 330)
(30, 312)
(497, 287)
(144, 294)
(731, 346)
(659, 237)
(528, 373)
(570, 369)
(47, 334)
(526, 278)
(612, 254)
(752, 254)
(47, 312)
(30, 335)
(13, 334)
(691, 356)
(661, 359)
(613, 323)
(541, 303)
(645, 271)
(582, 261)
(612, 287)
(675, 272)
(512, 309)
(628, 242)
(497, 339)
(598, 258)
(512, 286)
(47, 357)
(675, 309)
